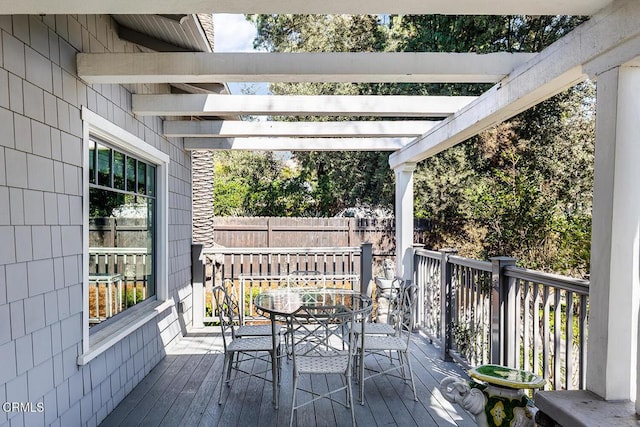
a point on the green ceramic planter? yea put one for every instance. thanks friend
(495, 395)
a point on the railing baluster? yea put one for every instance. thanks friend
(526, 313)
(97, 300)
(545, 334)
(483, 318)
(583, 341)
(557, 335)
(108, 307)
(232, 264)
(536, 327)
(569, 341)
(421, 281)
(517, 324)
(472, 315)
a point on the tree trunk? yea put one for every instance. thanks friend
(202, 170)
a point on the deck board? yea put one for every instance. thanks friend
(183, 390)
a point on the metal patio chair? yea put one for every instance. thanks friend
(249, 346)
(391, 313)
(399, 342)
(250, 330)
(323, 344)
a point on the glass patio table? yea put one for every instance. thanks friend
(281, 304)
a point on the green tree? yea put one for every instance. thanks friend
(257, 184)
(522, 188)
(336, 179)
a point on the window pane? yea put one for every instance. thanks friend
(118, 170)
(131, 174)
(151, 180)
(142, 178)
(104, 166)
(121, 251)
(151, 242)
(92, 162)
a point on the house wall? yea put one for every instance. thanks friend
(41, 225)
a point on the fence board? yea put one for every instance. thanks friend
(259, 232)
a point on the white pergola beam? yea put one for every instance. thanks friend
(379, 67)
(341, 129)
(296, 144)
(556, 68)
(298, 105)
(447, 7)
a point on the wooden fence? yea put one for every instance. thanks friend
(257, 232)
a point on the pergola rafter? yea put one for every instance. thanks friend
(296, 144)
(298, 105)
(334, 129)
(376, 67)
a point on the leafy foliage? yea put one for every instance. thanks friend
(257, 184)
(337, 179)
(522, 188)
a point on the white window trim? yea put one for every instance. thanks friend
(95, 344)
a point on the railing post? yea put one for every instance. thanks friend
(502, 313)
(446, 302)
(197, 286)
(366, 269)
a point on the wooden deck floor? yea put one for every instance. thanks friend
(183, 391)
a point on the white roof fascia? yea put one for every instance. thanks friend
(356, 7)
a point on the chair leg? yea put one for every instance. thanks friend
(413, 385)
(350, 402)
(222, 377)
(361, 375)
(346, 383)
(403, 369)
(229, 362)
(275, 380)
(279, 362)
(293, 400)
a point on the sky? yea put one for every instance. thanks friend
(233, 33)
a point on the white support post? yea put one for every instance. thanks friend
(615, 243)
(404, 220)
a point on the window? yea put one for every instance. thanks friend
(121, 231)
(125, 192)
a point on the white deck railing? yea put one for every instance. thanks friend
(477, 311)
(246, 271)
(494, 312)
(118, 279)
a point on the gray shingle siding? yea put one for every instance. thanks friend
(41, 258)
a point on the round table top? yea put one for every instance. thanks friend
(506, 377)
(286, 301)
